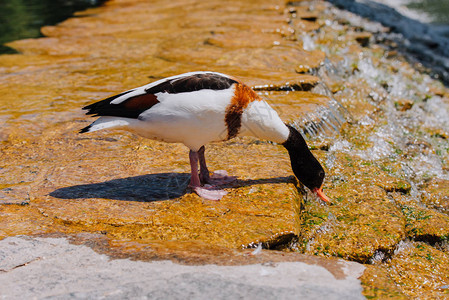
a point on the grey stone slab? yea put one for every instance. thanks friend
(40, 268)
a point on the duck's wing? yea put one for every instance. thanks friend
(132, 103)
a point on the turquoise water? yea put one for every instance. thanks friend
(437, 10)
(20, 19)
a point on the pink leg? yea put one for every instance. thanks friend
(195, 183)
(219, 177)
(204, 171)
(194, 179)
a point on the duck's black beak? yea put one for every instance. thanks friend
(319, 193)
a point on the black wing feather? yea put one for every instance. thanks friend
(105, 108)
(128, 109)
(192, 83)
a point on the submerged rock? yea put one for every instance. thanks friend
(127, 187)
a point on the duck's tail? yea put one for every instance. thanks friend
(104, 123)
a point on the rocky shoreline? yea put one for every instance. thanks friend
(377, 123)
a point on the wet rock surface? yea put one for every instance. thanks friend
(378, 126)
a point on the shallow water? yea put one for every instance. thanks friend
(24, 18)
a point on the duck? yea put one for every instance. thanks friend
(197, 108)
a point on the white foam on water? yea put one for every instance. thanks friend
(425, 42)
(427, 165)
(307, 43)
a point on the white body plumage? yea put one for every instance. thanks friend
(195, 118)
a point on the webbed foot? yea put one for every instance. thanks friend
(209, 193)
(220, 177)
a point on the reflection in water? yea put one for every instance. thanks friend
(21, 19)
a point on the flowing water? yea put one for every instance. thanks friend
(415, 136)
(422, 33)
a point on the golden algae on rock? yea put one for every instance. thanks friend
(378, 284)
(291, 106)
(253, 209)
(436, 195)
(380, 196)
(108, 191)
(280, 58)
(237, 39)
(420, 270)
(116, 183)
(261, 80)
(100, 183)
(422, 224)
(360, 222)
(25, 219)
